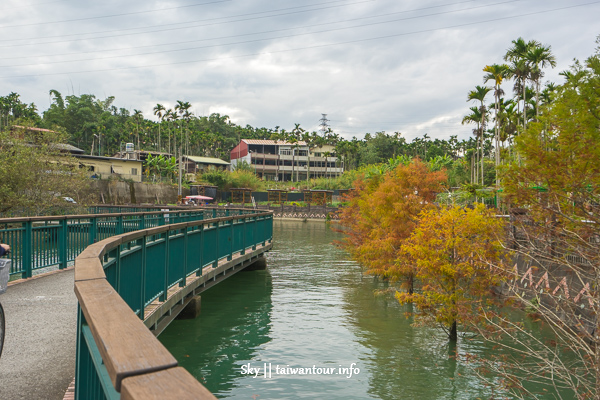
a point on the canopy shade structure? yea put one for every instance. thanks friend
(198, 197)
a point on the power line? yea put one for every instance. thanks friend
(212, 22)
(32, 5)
(244, 42)
(190, 22)
(114, 15)
(307, 47)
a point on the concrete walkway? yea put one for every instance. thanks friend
(38, 360)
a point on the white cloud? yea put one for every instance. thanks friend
(414, 78)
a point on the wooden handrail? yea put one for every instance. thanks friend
(138, 365)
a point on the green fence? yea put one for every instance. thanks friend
(141, 267)
(43, 242)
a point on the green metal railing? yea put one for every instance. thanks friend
(42, 242)
(142, 266)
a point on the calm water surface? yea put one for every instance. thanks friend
(313, 307)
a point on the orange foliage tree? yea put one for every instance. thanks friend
(382, 212)
(458, 258)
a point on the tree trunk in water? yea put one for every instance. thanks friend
(453, 335)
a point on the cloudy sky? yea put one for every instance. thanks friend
(370, 65)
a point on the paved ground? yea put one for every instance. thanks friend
(38, 360)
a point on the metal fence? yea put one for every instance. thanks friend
(113, 346)
(43, 242)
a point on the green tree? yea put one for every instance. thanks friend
(159, 111)
(497, 73)
(475, 117)
(36, 173)
(138, 117)
(479, 95)
(539, 57)
(520, 68)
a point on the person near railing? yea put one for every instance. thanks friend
(4, 249)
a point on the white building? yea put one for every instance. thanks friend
(279, 160)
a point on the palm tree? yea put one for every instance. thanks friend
(183, 109)
(171, 116)
(295, 137)
(137, 115)
(539, 57)
(520, 68)
(319, 141)
(508, 120)
(497, 73)
(309, 139)
(159, 110)
(547, 93)
(474, 117)
(479, 95)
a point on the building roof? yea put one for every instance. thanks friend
(31, 128)
(272, 142)
(207, 160)
(101, 158)
(69, 148)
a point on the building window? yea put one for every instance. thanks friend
(133, 171)
(285, 152)
(317, 154)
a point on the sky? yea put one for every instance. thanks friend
(370, 65)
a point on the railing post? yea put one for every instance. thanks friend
(118, 268)
(93, 229)
(255, 223)
(185, 258)
(63, 237)
(163, 297)
(216, 262)
(82, 363)
(263, 233)
(120, 224)
(199, 272)
(143, 278)
(244, 237)
(230, 256)
(27, 257)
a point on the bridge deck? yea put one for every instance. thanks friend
(38, 360)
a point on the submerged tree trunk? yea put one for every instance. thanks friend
(410, 282)
(452, 334)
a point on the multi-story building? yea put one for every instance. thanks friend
(284, 161)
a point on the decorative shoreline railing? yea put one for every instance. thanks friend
(118, 277)
(42, 242)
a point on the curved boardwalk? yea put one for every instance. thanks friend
(38, 360)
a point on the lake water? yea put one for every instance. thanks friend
(314, 309)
